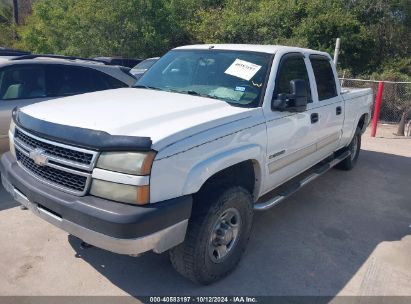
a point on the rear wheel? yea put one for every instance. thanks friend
(354, 147)
(217, 237)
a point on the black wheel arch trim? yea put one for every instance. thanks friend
(80, 137)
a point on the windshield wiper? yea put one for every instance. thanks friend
(139, 86)
(191, 92)
(179, 91)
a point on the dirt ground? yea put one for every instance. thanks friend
(347, 233)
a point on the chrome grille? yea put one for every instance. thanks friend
(62, 178)
(50, 149)
(64, 167)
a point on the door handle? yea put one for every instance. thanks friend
(338, 110)
(314, 117)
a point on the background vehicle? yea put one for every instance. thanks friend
(127, 62)
(12, 52)
(180, 162)
(33, 78)
(143, 66)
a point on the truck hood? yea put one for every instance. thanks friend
(165, 117)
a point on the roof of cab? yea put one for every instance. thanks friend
(270, 49)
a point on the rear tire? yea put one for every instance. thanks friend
(354, 147)
(216, 236)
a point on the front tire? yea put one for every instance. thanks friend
(216, 237)
(354, 147)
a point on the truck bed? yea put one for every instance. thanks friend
(348, 92)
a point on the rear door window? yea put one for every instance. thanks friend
(324, 77)
(70, 80)
(22, 82)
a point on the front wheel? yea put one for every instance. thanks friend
(216, 238)
(354, 147)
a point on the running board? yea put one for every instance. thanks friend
(298, 185)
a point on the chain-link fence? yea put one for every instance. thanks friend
(396, 97)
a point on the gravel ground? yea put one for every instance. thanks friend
(347, 233)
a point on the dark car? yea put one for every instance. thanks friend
(12, 52)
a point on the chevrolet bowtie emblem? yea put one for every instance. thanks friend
(38, 156)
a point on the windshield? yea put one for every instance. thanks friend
(145, 64)
(236, 77)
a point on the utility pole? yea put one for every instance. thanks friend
(16, 11)
(16, 18)
(337, 51)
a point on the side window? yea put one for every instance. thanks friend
(291, 68)
(65, 80)
(112, 82)
(324, 78)
(22, 82)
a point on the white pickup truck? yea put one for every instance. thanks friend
(181, 161)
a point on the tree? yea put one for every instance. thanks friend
(6, 25)
(376, 35)
(98, 27)
(371, 30)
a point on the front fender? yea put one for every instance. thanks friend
(201, 172)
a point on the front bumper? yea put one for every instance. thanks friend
(116, 227)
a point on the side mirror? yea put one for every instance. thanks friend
(294, 102)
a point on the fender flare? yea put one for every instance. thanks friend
(201, 172)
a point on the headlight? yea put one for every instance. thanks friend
(134, 163)
(137, 163)
(138, 195)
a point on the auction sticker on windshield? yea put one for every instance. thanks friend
(242, 69)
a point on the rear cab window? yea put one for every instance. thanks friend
(324, 77)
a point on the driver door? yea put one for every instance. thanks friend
(290, 137)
